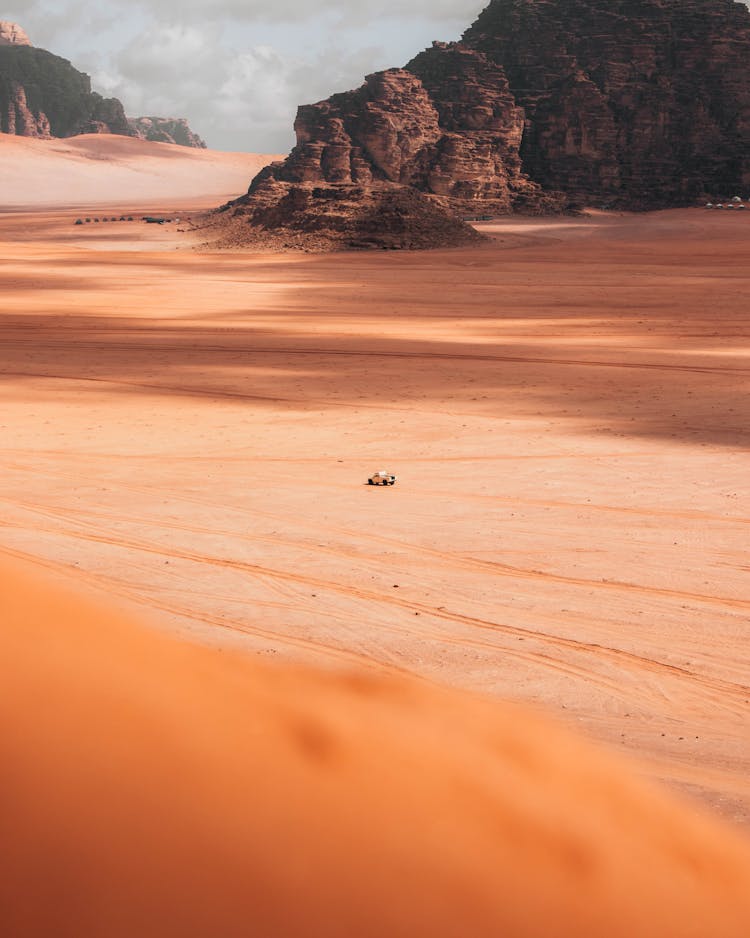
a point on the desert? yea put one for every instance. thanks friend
(94, 171)
(192, 431)
(372, 523)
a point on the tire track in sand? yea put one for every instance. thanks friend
(717, 688)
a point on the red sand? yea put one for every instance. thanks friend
(156, 789)
(566, 410)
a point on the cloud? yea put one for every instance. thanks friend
(353, 11)
(242, 100)
(262, 89)
(46, 24)
(236, 69)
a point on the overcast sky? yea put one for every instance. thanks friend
(237, 69)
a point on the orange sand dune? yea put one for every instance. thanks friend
(105, 169)
(153, 788)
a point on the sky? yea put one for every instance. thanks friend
(236, 69)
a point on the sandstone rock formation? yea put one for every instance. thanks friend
(446, 126)
(637, 104)
(166, 130)
(437, 138)
(631, 103)
(11, 34)
(19, 119)
(43, 95)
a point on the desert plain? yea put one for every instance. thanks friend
(191, 431)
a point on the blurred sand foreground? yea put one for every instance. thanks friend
(154, 788)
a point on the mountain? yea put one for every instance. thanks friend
(543, 104)
(639, 103)
(43, 95)
(166, 130)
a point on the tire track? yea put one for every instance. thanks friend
(383, 353)
(342, 655)
(620, 657)
(465, 643)
(471, 563)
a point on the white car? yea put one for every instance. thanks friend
(382, 478)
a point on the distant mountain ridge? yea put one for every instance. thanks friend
(42, 95)
(166, 130)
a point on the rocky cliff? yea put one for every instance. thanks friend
(43, 95)
(166, 130)
(543, 103)
(446, 125)
(446, 129)
(634, 102)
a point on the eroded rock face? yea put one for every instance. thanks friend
(380, 132)
(11, 34)
(476, 164)
(166, 130)
(43, 95)
(19, 119)
(635, 102)
(393, 163)
(445, 125)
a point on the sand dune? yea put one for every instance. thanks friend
(157, 789)
(104, 169)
